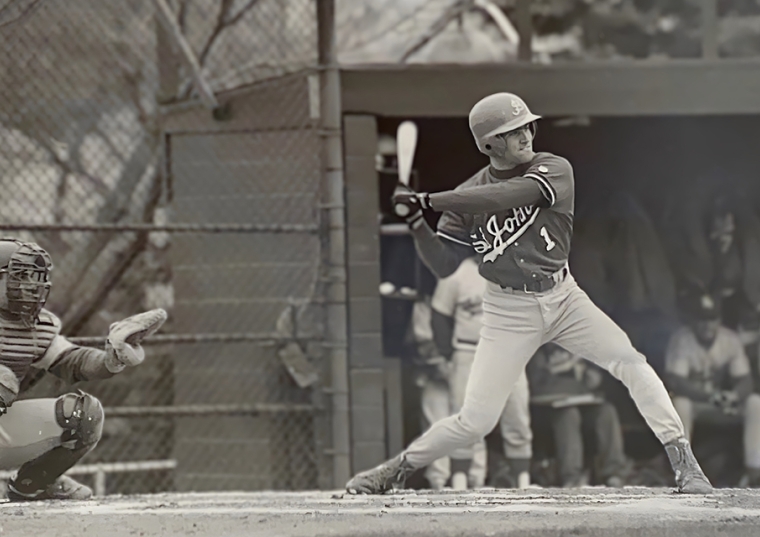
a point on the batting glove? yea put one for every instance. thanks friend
(409, 204)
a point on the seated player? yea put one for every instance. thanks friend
(569, 388)
(710, 379)
(43, 438)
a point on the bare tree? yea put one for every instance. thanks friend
(80, 84)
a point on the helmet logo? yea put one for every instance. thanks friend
(517, 107)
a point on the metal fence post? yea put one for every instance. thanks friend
(333, 190)
(100, 483)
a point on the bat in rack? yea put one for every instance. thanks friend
(406, 144)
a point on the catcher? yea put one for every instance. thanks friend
(43, 438)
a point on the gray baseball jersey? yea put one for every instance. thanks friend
(524, 245)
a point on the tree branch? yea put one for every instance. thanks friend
(215, 31)
(31, 8)
(182, 14)
(72, 168)
(111, 146)
(115, 206)
(239, 15)
(223, 21)
(437, 27)
(78, 315)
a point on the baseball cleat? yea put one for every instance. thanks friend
(63, 488)
(379, 480)
(689, 475)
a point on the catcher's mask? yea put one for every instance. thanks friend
(27, 268)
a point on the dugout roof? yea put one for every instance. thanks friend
(640, 88)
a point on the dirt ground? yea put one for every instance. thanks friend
(489, 512)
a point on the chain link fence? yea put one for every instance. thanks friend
(217, 222)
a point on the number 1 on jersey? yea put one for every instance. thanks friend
(550, 244)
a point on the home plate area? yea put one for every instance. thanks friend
(488, 512)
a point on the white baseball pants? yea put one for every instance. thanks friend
(29, 430)
(441, 400)
(515, 325)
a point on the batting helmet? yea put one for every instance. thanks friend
(27, 287)
(495, 115)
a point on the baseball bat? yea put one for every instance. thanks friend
(406, 144)
(5, 440)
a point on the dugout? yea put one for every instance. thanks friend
(644, 127)
(657, 130)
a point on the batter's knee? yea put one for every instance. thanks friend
(626, 367)
(477, 427)
(81, 416)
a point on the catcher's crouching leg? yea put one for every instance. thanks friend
(81, 417)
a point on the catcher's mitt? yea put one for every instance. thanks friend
(124, 337)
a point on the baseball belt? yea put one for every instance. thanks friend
(540, 285)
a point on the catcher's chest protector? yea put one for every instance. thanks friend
(20, 346)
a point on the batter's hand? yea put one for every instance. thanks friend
(408, 204)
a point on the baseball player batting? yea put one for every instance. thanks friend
(517, 215)
(43, 438)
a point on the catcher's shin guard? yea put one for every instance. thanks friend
(81, 417)
(381, 479)
(690, 478)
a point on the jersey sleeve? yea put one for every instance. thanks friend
(454, 227)
(421, 328)
(445, 295)
(554, 176)
(677, 356)
(739, 364)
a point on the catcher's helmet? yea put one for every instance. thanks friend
(27, 287)
(495, 115)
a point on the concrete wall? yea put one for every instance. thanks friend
(367, 375)
(261, 167)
